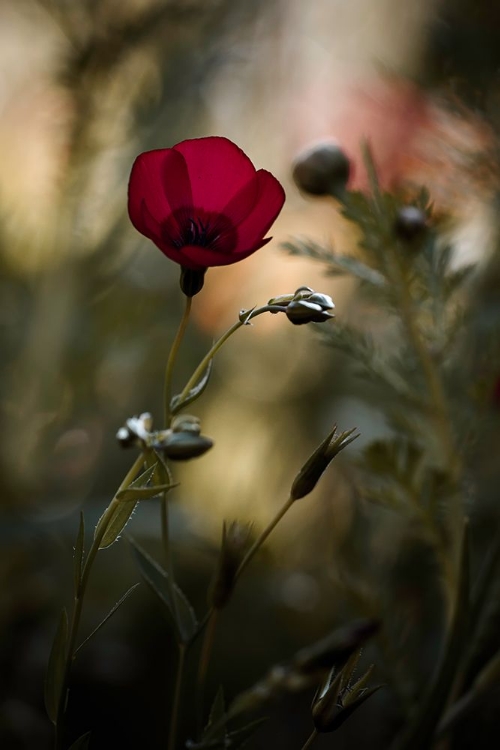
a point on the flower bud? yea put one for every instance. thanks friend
(308, 477)
(301, 312)
(192, 281)
(235, 542)
(323, 169)
(410, 223)
(181, 446)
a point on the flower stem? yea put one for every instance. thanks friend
(310, 740)
(172, 735)
(197, 374)
(262, 538)
(80, 594)
(173, 355)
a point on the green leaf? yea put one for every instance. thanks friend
(176, 404)
(144, 493)
(78, 553)
(180, 611)
(81, 743)
(215, 730)
(54, 680)
(110, 614)
(116, 522)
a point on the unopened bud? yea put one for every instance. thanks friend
(302, 311)
(323, 169)
(308, 477)
(410, 223)
(235, 543)
(181, 446)
(135, 430)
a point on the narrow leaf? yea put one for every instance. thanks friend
(157, 580)
(54, 679)
(217, 712)
(78, 553)
(81, 743)
(123, 511)
(144, 493)
(176, 404)
(110, 614)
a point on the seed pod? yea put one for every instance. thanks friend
(191, 281)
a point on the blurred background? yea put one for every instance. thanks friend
(89, 308)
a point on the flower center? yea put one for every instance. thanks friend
(202, 229)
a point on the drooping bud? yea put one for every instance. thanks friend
(308, 477)
(181, 446)
(410, 223)
(235, 543)
(192, 281)
(322, 169)
(302, 311)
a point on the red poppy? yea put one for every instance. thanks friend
(202, 202)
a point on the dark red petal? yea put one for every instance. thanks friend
(243, 202)
(217, 169)
(176, 184)
(270, 200)
(160, 180)
(152, 230)
(206, 258)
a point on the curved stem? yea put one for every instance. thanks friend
(262, 538)
(310, 740)
(197, 374)
(80, 593)
(172, 357)
(172, 735)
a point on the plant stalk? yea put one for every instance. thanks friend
(173, 356)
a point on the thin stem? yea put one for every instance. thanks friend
(172, 357)
(262, 538)
(80, 593)
(197, 374)
(310, 740)
(172, 735)
(167, 554)
(206, 653)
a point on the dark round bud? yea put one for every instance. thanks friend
(192, 281)
(181, 446)
(323, 169)
(410, 223)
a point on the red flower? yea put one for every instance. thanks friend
(202, 202)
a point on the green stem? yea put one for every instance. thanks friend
(172, 735)
(262, 538)
(310, 740)
(173, 356)
(80, 594)
(167, 554)
(197, 374)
